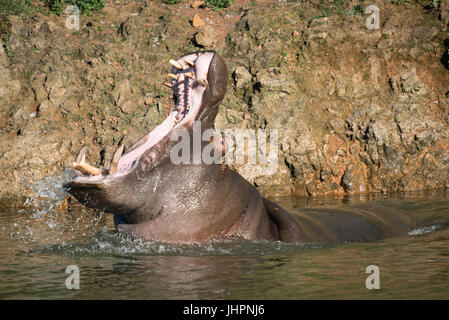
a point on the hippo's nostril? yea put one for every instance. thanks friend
(66, 186)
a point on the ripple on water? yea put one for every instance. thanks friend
(108, 243)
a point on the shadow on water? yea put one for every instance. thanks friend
(41, 236)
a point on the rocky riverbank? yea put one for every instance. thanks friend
(358, 110)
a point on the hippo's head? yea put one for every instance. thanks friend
(136, 179)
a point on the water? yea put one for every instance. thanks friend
(41, 236)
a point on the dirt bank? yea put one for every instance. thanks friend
(358, 110)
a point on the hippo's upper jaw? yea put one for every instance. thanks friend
(199, 83)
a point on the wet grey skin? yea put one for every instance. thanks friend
(154, 199)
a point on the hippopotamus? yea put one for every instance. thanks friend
(157, 200)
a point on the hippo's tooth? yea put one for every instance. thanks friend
(86, 168)
(167, 84)
(202, 82)
(176, 64)
(81, 157)
(113, 168)
(189, 74)
(173, 76)
(190, 63)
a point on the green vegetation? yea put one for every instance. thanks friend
(357, 10)
(338, 7)
(323, 14)
(87, 6)
(338, 3)
(16, 7)
(77, 54)
(26, 8)
(5, 31)
(400, 2)
(5, 27)
(436, 3)
(55, 6)
(218, 4)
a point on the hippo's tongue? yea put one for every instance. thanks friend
(188, 76)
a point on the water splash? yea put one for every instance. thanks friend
(107, 243)
(45, 217)
(424, 230)
(47, 193)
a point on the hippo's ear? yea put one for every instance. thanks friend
(217, 81)
(288, 228)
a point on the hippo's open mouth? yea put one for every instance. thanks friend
(189, 80)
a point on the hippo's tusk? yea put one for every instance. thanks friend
(176, 64)
(81, 157)
(190, 63)
(202, 82)
(81, 165)
(86, 168)
(167, 84)
(115, 159)
(189, 74)
(173, 76)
